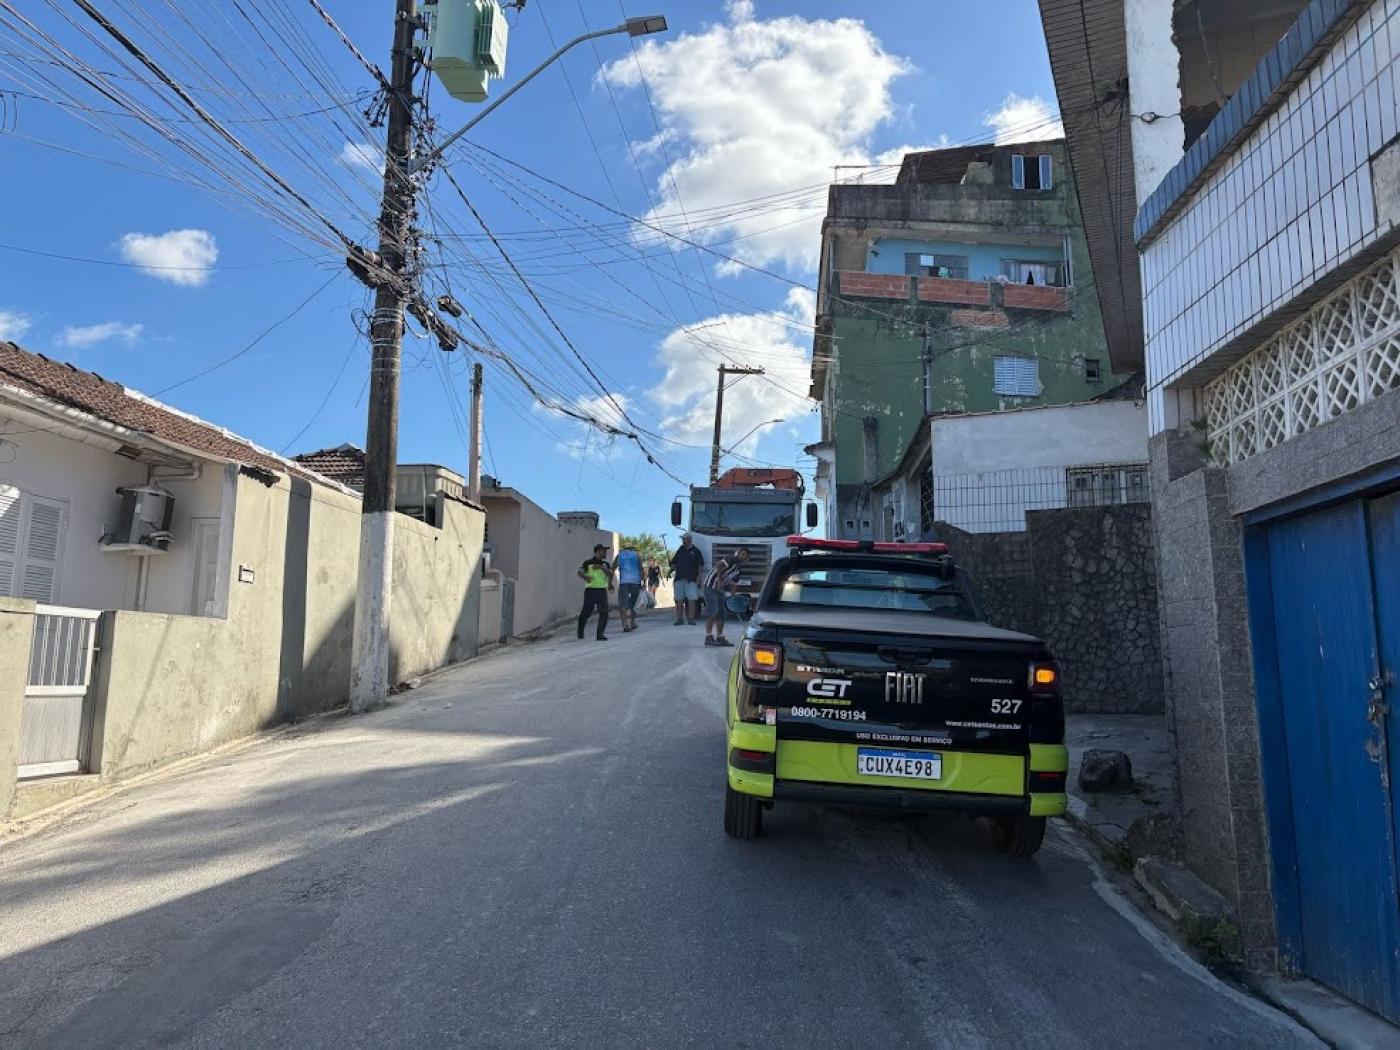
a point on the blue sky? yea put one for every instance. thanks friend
(723, 131)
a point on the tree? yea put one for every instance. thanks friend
(648, 546)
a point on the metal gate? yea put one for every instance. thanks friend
(55, 724)
(1325, 596)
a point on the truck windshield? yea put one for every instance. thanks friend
(877, 588)
(741, 519)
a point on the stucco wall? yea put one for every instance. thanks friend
(16, 636)
(1059, 436)
(542, 556)
(171, 686)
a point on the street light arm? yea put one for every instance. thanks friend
(765, 423)
(419, 163)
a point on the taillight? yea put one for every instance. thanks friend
(1045, 678)
(763, 661)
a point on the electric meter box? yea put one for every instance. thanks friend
(468, 41)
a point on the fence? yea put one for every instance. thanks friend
(998, 500)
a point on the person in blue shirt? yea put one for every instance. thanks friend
(629, 586)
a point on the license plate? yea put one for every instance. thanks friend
(916, 765)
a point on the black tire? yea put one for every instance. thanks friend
(743, 815)
(1021, 836)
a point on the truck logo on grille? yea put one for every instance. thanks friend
(903, 687)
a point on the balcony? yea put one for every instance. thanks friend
(1035, 297)
(934, 290)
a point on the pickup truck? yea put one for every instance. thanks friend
(867, 676)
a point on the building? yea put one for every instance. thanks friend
(962, 287)
(167, 586)
(1267, 190)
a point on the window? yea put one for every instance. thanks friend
(742, 519)
(31, 542)
(1105, 486)
(913, 589)
(1032, 172)
(1092, 373)
(1031, 271)
(1017, 377)
(923, 265)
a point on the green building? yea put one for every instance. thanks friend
(964, 287)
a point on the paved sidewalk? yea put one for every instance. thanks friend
(1107, 816)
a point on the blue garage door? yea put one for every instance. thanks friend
(1333, 577)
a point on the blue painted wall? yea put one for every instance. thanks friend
(984, 260)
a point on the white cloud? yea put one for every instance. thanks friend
(778, 341)
(13, 325)
(180, 256)
(588, 440)
(784, 101)
(1024, 120)
(78, 336)
(362, 155)
(739, 10)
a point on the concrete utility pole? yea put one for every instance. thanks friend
(724, 370)
(474, 480)
(369, 674)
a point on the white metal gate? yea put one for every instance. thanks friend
(55, 724)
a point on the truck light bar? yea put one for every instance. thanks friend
(805, 543)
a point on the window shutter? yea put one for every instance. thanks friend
(1016, 376)
(43, 541)
(1046, 171)
(1018, 171)
(9, 539)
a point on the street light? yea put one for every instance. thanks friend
(641, 26)
(765, 423)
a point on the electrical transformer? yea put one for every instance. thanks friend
(468, 41)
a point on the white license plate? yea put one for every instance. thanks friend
(883, 762)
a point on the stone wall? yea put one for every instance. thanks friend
(1082, 578)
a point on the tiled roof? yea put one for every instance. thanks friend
(344, 463)
(91, 393)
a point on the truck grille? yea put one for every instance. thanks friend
(756, 571)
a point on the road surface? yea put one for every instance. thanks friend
(527, 851)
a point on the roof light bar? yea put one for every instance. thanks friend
(909, 548)
(807, 543)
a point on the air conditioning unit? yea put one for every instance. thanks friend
(143, 522)
(468, 41)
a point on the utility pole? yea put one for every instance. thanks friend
(369, 674)
(724, 370)
(474, 482)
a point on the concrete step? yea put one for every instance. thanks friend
(34, 796)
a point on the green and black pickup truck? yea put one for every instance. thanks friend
(867, 677)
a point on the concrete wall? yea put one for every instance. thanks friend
(489, 623)
(16, 637)
(1083, 579)
(542, 555)
(171, 686)
(85, 478)
(1057, 436)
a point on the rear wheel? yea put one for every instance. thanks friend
(1021, 836)
(743, 814)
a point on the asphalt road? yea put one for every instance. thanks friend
(528, 852)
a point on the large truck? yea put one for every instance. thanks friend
(750, 508)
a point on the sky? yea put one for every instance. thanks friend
(662, 200)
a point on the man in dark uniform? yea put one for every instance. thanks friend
(596, 575)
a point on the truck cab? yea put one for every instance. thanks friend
(756, 510)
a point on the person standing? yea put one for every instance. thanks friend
(719, 583)
(686, 564)
(653, 579)
(596, 575)
(629, 586)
